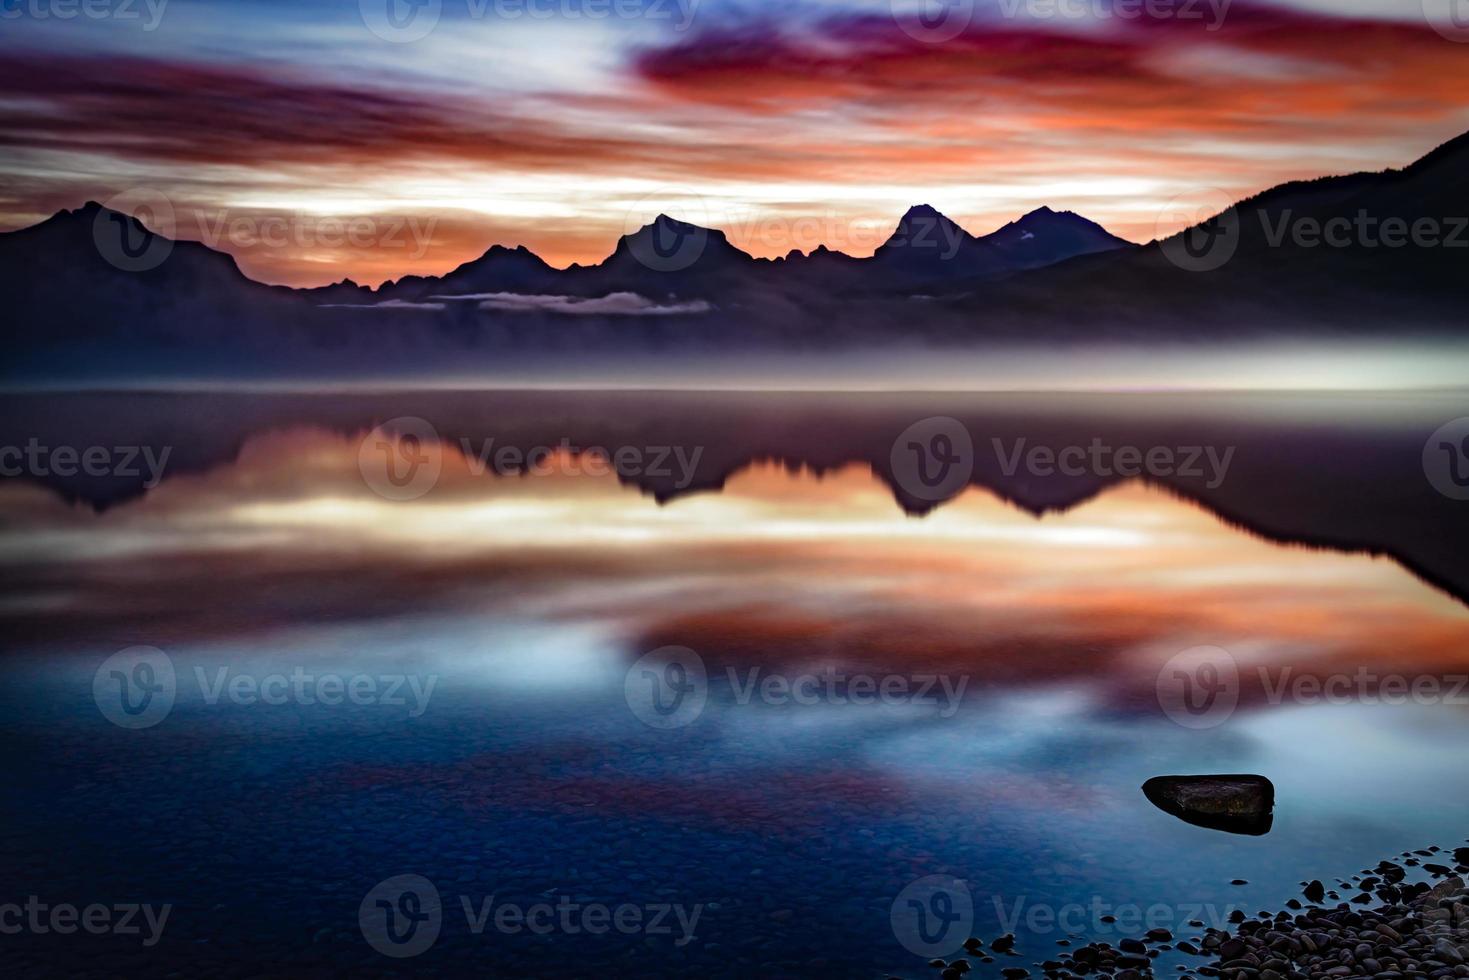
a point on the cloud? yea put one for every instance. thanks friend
(613, 304)
(1109, 73)
(778, 114)
(239, 114)
(387, 304)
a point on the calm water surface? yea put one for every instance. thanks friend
(488, 724)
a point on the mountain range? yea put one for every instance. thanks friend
(671, 258)
(85, 297)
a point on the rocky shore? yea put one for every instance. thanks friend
(1407, 918)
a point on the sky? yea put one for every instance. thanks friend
(338, 138)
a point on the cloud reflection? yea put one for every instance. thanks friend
(782, 568)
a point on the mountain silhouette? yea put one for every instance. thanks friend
(664, 257)
(498, 270)
(95, 291)
(1044, 237)
(93, 280)
(1303, 257)
(928, 247)
(669, 257)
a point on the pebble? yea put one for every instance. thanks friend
(1415, 929)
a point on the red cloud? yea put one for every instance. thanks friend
(850, 100)
(1263, 71)
(238, 114)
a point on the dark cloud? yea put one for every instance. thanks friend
(192, 112)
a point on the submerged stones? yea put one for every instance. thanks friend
(1236, 804)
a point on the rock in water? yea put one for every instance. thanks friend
(1237, 804)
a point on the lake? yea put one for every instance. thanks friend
(724, 683)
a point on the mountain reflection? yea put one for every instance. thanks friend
(782, 567)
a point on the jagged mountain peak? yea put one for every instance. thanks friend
(923, 211)
(1045, 236)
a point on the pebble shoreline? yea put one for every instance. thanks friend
(1392, 927)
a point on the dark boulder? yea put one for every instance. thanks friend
(1236, 804)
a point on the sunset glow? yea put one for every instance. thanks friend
(788, 125)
